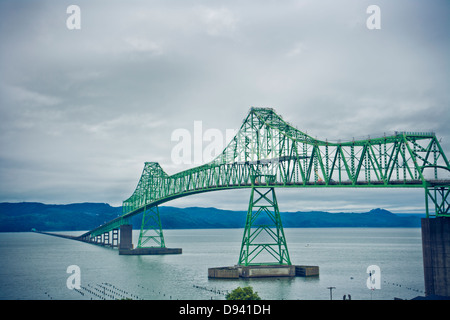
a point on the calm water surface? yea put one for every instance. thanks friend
(33, 266)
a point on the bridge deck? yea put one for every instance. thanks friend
(115, 223)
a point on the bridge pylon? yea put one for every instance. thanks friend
(151, 230)
(263, 234)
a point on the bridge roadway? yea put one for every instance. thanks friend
(124, 219)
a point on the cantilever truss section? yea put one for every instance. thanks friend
(269, 146)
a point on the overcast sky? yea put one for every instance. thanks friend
(82, 110)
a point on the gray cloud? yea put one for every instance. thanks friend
(82, 110)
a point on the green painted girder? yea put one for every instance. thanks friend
(263, 232)
(267, 145)
(151, 234)
(439, 198)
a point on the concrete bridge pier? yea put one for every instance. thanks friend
(115, 238)
(436, 255)
(106, 239)
(126, 237)
(126, 245)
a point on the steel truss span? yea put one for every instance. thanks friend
(269, 152)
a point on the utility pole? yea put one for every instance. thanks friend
(331, 292)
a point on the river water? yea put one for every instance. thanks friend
(34, 266)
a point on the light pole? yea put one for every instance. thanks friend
(331, 292)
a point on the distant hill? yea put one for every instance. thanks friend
(16, 217)
(50, 217)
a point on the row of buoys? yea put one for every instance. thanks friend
(79, 291)
(92, 292)
(153, 290)
(405, 287)
(223, 292)
(103, 292)
(114, 292)
(107, 291)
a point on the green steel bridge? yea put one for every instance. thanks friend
(268, 153)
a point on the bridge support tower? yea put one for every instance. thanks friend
(263, 234)
(264, 251)
(151, 230)
(436, 242)
(151, 237)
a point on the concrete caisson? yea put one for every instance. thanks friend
(223, 273)
(262, 271)
(306, 271)
(149, 251)
(126, 237)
